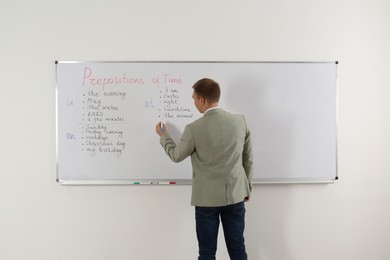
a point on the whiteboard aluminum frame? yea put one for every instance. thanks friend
(189, 181)
(184, 182)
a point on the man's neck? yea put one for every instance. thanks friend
(211, 107)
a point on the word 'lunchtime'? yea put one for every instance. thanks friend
(90, 79)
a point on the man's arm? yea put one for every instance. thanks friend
(247, 159)
(176, 152)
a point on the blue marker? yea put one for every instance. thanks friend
(161, 127)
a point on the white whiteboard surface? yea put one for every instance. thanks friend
(107, 112)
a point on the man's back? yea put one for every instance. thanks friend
(222, 148)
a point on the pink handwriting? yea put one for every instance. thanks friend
(168, 78)
(90, 79)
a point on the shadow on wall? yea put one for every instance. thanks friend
(271, 132)
(270, 124)
(266, 230)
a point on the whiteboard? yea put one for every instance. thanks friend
(107, 112)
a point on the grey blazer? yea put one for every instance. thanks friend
(221, 155)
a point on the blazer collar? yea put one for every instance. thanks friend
(213, 111)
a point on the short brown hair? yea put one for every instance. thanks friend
(207, 88)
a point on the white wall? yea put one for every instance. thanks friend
(41, 219)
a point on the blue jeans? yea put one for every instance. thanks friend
(233, 223)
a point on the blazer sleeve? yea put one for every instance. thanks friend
(178, 152)
(247, 157)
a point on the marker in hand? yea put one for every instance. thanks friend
(160, 128)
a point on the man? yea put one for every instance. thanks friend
(221, 155)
